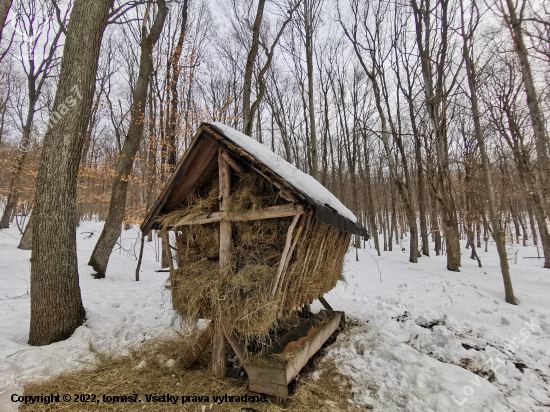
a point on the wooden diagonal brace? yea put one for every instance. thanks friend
(284, 255)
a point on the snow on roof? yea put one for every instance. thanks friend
(298, 179)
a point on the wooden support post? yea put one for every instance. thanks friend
(218, 353)
(218, 339)
(163, 255)
(232, 163)
(166, 249)
(325, 303)
(140, 257)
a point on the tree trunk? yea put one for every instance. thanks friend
(248, 116)
(4, 10)
(435, 105)
(371, 212)
(537, 122)
(309, 62)
(172, 157)
(489, 189)
(434, 224)
(125, 162)
(56, 304)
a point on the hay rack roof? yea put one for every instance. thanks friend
(200, 161)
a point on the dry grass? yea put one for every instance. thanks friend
(156, 368)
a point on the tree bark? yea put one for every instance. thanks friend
(111, 229)
(4, 10)
(56, 304)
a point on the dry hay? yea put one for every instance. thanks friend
(239, 297)
(156, 368)
(202, 199)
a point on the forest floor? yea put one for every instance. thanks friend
(420, 338)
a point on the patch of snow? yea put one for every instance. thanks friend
(298, 179)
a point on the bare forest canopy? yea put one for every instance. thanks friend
(426, 117)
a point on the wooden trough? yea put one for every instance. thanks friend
(308, 235)
(269, 375)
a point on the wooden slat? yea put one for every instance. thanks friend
(283, 256)
(282, 284)
(193, 173)
(309, 253)
(198, 347)
(325, 303)
(267, 213)
(268, 388)
(174, 180)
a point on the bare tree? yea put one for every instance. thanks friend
(514, 23)
(38, 29)
(437, 88)
(111, 229)
(468, 32)
(250, 108)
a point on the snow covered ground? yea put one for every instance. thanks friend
(436, 340)
(427, 339)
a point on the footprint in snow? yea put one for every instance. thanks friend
(487, 311)
(505, 321)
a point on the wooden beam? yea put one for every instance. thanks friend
(232, 163)
(238, 347)
(267, 213)
(284, 255)
(325, 303)
(285, 192)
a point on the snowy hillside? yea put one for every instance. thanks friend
(420, 338)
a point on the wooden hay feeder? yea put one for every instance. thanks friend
(256, 240)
